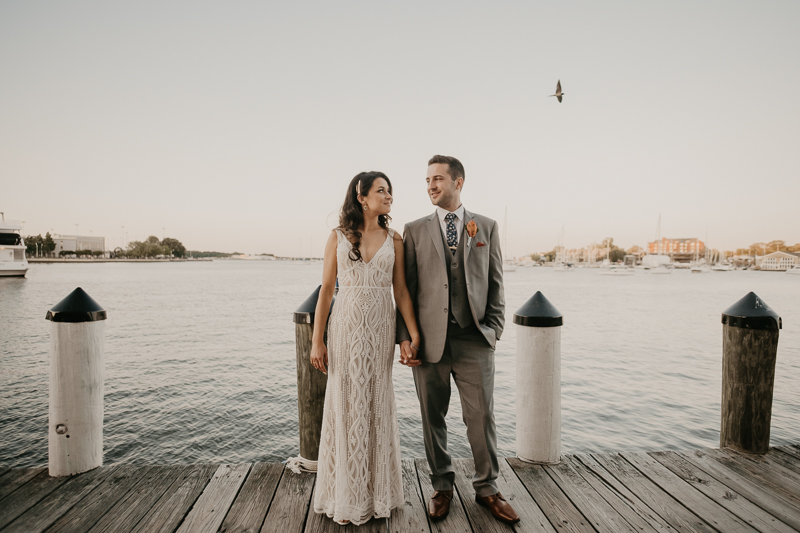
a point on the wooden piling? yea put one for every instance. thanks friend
(311, 382)
(749, 352)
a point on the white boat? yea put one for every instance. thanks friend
(795, 270)
(561, 264)
(609, 269)
(723, 267)
(12, 249)
(659, 263)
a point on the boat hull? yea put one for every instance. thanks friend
(13, 272)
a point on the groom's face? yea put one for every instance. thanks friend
(442, 190)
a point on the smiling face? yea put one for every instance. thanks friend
(379, 198)
(443, 191)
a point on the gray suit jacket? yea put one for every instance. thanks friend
(426, 277)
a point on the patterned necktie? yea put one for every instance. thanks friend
(452, 237)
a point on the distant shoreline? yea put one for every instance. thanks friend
(45, 260)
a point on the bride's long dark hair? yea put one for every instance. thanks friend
(351, 216)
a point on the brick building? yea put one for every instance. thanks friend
(680, 250)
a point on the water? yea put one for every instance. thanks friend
(200, 360)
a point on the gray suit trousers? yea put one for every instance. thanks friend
(470, 360)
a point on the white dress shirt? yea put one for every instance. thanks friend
(459, 221)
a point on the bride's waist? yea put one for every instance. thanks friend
(371, 287)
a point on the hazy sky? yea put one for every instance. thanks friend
(237, 125)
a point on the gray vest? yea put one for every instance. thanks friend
(457, 284)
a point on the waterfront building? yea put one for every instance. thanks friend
(680, 250)
(778, 261)
(73, 243)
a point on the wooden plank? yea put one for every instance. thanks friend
(771, 462)
(27, 496)
(250, 507)
(598, 512)
(456, 521)
(552, 501)
(136, 503)
(789, 450)
(17, 478)
(697, 502)
(177, 500)
(508, 484)
(412, 517)
(791, 457)
(290, 506)
(721, 493)
(757, 494)
(3, 471)
(793, 447)
(92, 508)
(321, 523)
(57, 503)
(675, 515)
(633, 510)
(776, 483)
(211, 507)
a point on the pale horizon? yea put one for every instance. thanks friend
(238, 127)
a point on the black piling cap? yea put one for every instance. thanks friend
(751, 312)
(305, 313)
(77, 307)
(538, 312)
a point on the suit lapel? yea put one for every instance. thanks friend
(465, 235)
(436, 234)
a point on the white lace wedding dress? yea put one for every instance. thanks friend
(358, 473)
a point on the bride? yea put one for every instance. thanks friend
(358, 472)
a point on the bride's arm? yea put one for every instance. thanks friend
(319, 353)
(403, 299)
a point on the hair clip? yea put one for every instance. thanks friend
(358, 187)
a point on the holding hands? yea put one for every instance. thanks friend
(409, 353)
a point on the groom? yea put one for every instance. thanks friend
(454, 272)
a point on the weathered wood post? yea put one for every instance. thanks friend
(75, 430)
(749, 351)
(538, 381)
(310, 381)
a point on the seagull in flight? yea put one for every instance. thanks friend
(558, 94)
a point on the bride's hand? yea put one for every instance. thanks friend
(319, 357)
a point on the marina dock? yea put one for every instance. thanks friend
(708, 490)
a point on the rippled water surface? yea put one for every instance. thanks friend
(200, 359)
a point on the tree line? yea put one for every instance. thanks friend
(152, 247)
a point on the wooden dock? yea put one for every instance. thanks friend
(705, 490)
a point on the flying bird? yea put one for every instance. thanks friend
(558, 94)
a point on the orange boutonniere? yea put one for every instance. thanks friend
(472, 228)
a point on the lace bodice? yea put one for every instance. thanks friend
(376, 273)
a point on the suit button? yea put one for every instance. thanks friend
(445, 309)
(455, 265)
(445, 285)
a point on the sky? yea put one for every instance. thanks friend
(236, 126)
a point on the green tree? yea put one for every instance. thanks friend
(616, 255)
(48, 244)
(175, 247)
(30, 244)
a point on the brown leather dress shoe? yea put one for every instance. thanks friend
(439, 504)
(499, 507)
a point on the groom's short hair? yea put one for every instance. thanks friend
(455, 166)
